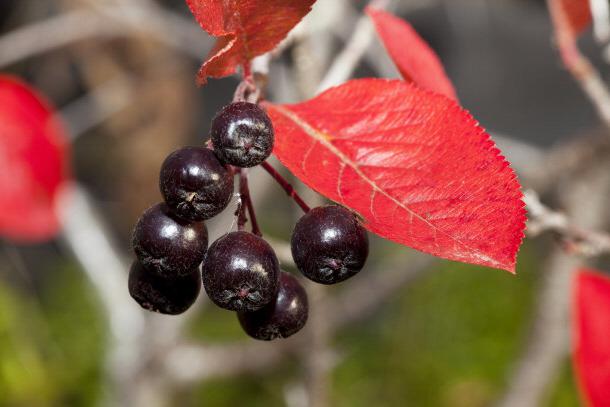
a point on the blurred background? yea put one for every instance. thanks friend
(408, 330)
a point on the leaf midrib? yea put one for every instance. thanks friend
(323, 138)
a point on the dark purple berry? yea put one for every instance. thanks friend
(281, 318)
(329, 244)
(168, 245)
(242, 134)
(241, 272)
(194, 184)
(164, 295)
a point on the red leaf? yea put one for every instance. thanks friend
(415, 60)
(570, 18)
(33, 163)
(413, 164)
(591, 333)
(247, 28)
(577, 14)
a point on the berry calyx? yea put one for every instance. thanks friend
(241, 272)
(168, 245)
(281, 318)
(164, 295)
(329, 245)
(194, 184)
(242, 134)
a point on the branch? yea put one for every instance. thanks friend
(548, 344)
(544, 352)
(73, 26)
(346, 62)
(600, 11)
(188, 363)
(87, 236)
(577, 64)
(577, 240)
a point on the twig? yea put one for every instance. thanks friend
(56, 32)
(172, 29)
(286, 186)
(246, 204)
(98, 105)
(548, 342)
(577, 240)
(547, 346)
(577, 64)
(190, 362)
(600, 11)
(187, 363)
(86, 235)
(65, 29)
(346, 62)
(318, 356)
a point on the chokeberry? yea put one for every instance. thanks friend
(281, 318)
(164, 295)
(329, 244)
(194, 184)
(167, 244)
(241, 272)
(242, 134)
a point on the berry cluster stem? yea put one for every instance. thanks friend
(246, 204)
(286, 186)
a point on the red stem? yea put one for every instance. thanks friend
(286, 186)
(247, 71)
(246, 204)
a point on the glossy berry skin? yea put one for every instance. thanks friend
(241, 272)
(164, 295)
(281, 318)
(242, 134)
(168, 245)
(194, 184)
(329, 245)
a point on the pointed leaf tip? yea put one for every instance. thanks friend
(414, 58)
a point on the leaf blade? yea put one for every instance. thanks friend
(414, 58)
(247, 28)
(378, 146)
(34, 152)
(591, 329)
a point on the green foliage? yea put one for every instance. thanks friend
(446, 340)
(565, 393)
(260, 391)
(216, 325)
(52, 345)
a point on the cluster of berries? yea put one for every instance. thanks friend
(240, 270)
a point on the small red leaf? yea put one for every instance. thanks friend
(247, 28)
(413, 164)
(570, 18)
(414, 58)
(577, 14)
(33, 163)
(591, 333)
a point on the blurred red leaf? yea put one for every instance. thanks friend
(577, 14)
(415, 60)
(33, 163)
(591, 333)
(247, 28)
(570, 18)
(417, 168)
